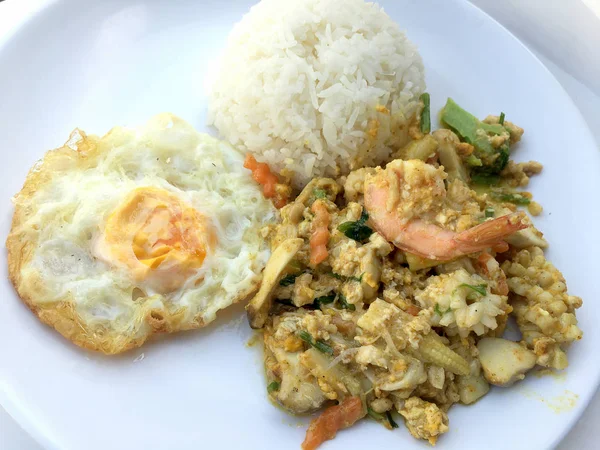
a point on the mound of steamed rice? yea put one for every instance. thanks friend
(317, 87)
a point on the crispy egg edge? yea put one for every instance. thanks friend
(61, 314)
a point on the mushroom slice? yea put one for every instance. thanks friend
(259, 306)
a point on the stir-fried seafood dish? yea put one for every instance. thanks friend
(389, 289)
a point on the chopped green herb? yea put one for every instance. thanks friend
(517, 199)
(480, 288)
(359, 279)
(289, 279)
(345, 305)
(306, 337)
(345, 278)
(439, 311)
(501, 119)
(357, 230)
(489, 212)
(320, 193)
(485, 179)
(325, 299)
(273, 386)
(425, 114)
(391, 420)
(323, 347)
(319, 344)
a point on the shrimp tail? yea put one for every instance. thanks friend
(490, 233)
(432, 242)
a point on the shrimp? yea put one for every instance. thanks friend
(403, 201)
(320, 233)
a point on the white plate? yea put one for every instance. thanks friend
(99, 64)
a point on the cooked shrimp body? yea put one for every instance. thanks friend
(403, 201)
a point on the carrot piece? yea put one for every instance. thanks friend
(269, 186)
(332, 420)
(261, 173)
(320, 233)
(250, 162)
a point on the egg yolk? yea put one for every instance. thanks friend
(157, 235)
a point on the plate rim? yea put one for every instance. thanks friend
(43, 436)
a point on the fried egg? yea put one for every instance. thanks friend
(142, 231)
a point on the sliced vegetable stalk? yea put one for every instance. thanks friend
(473, 161)
(469, 129)
(516, 198)
(484, 179)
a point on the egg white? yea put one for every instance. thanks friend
(67, 199)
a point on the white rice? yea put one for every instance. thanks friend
(302, 82)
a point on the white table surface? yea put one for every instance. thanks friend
(564, 34)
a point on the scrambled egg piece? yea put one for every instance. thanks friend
(424, 420)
